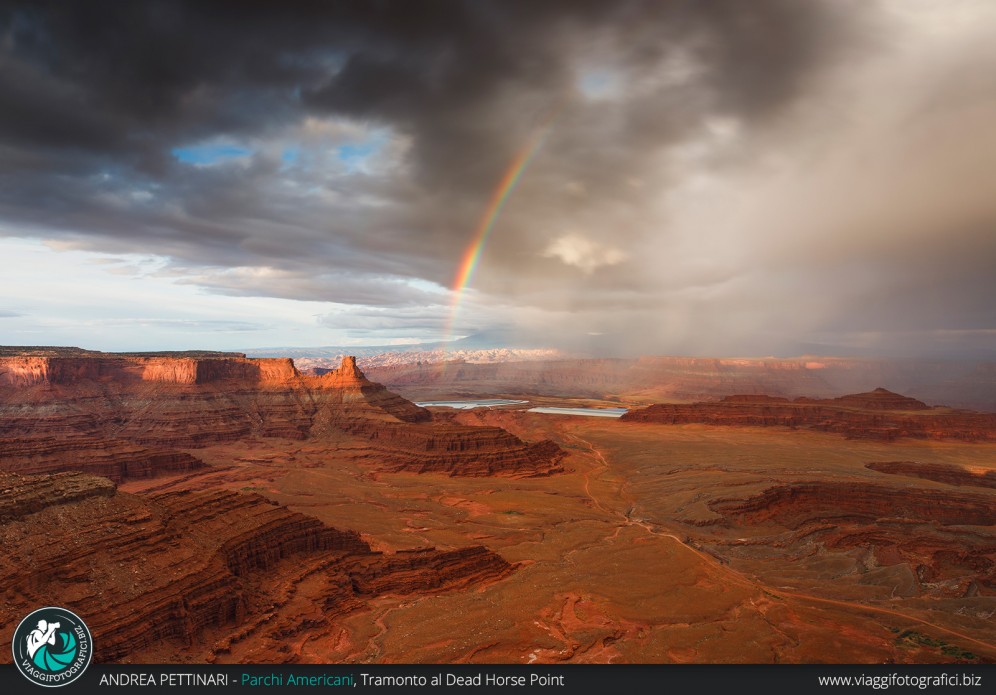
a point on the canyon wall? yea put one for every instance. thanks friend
(143, 570)
(136, 416)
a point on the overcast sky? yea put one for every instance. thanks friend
(719, 178)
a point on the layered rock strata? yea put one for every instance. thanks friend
(792, 505)
(461, 450)
(115, 459)
(141, 570)
(136, 416)
(879, 414)
(946, 538)
(938, 472)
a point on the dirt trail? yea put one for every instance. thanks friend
(737, 577)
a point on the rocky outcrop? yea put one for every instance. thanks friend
(137, 416)
(168, 567)
(425, 569)
(940, 472)
(945, 537)
(879, 414)
(20, 497)
(942, 563)
(793, 505)
(341, 390)
(470, 451)
(115, 459)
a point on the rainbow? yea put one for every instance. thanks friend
(507, 184)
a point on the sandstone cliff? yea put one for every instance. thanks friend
(135, 416)
(144, 570)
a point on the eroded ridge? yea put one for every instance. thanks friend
(944, 538)
(127, 417)
(794, 504)
(161, 572)
(878, 414)
(20, 497)
(938, 472)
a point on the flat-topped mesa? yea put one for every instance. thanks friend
(22, 371)
(792, 505)
(878, 414)
(131, 416)
(880, 399)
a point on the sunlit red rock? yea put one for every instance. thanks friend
(148, 571)
(135, 416)
(879, 414)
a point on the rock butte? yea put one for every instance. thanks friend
(879, 414)
(135, 416)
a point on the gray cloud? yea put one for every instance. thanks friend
(716, 176)
(424, 321)
(218, 326)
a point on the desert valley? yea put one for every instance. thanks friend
(207, 507)
(398, 338)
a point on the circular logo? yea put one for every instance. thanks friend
(52, 647)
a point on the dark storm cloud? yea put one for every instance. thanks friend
(472, 85)
(110, 88)
(345, 151)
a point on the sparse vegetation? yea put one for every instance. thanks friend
(912, 637)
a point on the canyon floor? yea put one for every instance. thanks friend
(658, 544)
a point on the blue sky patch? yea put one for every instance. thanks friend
(598, 84)
(290, 155)
(209, 154)
(355, 154)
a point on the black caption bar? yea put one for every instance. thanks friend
(967, 679)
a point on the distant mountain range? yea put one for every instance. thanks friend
(484, 347)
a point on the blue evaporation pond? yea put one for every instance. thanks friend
(468, 405)
(590, 412)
